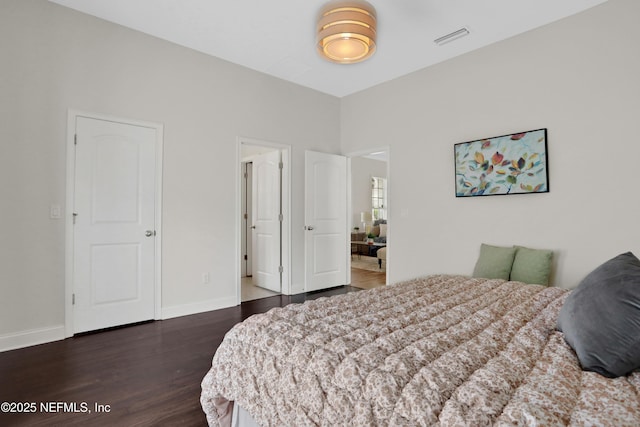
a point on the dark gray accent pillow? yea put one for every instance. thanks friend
(600, 319)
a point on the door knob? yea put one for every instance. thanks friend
(253, 227)
(310, 227)
(150, 233)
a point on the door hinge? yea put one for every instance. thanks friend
(73, 299)
(246, 216)
(245, 257)
(281, 165)
(281, 269)
(75, 139)
(75, 215)
(280, 217)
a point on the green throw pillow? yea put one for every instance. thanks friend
(531, 266)
(494, 262)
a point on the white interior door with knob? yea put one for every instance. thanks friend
(325, 220)
(266, 215)
(114, 231)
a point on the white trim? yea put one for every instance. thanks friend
(72, 116)
(362, 153)
(286, 211)
(238, 223)
(31, 337)
(68, 223)
(158, 218)
(197, 307)
(349, 213)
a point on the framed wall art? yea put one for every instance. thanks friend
(508, 164)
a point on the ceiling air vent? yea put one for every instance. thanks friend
(451, 37)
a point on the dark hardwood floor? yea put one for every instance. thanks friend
(144, 375)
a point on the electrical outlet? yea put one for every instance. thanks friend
(205, 278)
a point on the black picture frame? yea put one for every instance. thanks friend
(508, 164)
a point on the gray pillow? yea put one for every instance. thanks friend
(600, 319)
(494, 262)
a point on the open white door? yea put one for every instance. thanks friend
(114, 231)
(325, 220)
(267, 220)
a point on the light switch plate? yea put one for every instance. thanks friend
(54, 212)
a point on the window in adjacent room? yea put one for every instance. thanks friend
(378, 198)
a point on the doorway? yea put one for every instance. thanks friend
(264, 219)
(369, 218)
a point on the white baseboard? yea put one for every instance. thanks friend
(31, 337)
(198, 307)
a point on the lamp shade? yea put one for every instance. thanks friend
(365, 216)
(347, 31)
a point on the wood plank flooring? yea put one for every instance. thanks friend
(366, 279)
(148, 374)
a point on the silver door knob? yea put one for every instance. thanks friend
(150, 233)
(309, 227)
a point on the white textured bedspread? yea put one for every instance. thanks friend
(441, 350)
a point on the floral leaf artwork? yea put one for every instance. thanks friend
(508, 164)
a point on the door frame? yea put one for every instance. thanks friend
(362, 153)
(285, 151)
(72, 116)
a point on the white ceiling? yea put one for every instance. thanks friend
(277, 37)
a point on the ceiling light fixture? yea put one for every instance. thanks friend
(347, 31)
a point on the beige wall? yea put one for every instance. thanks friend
(54, 59)
(577, 77)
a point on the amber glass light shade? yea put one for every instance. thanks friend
(347, 31)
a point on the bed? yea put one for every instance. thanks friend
(439, 350)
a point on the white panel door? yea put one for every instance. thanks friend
(325, 220)
(266, 209)
(114, 230)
